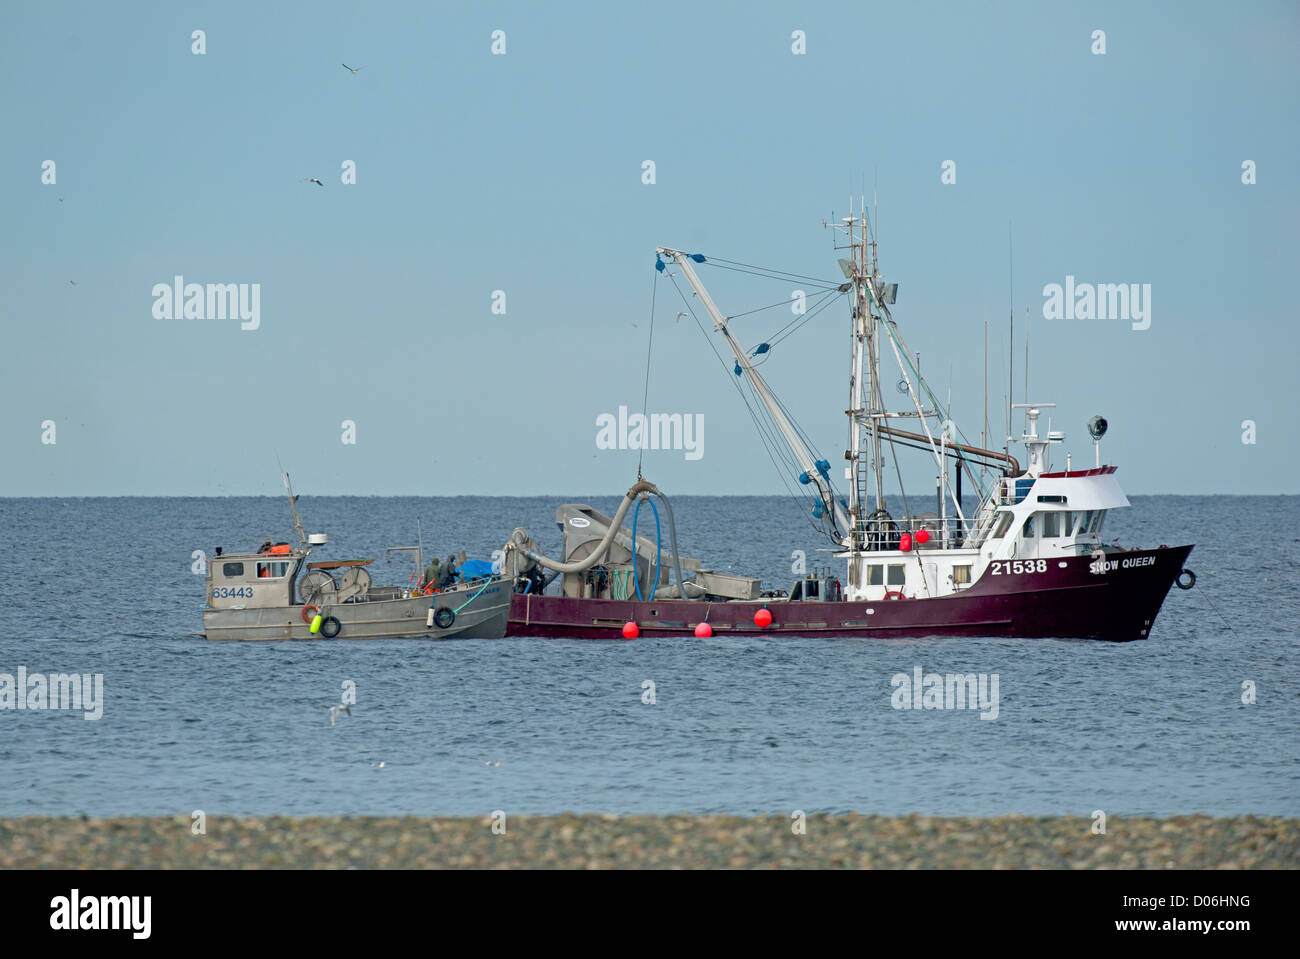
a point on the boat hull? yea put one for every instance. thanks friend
(1071, 598)
(481, 616)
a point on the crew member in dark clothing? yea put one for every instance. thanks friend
(448, 575)
(430, 575)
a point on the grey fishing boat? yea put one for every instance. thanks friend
(275, 592)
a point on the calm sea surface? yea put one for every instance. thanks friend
(743, 726)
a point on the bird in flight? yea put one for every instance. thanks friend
(334, 713)
(350, 70)
(312, 179)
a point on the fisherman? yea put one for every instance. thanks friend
(448, 573)
(430, 574)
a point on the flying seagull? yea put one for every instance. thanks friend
(73, 282)
(312, 179)
(334, 713)
(354, 72)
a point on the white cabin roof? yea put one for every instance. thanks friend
(1082, 489)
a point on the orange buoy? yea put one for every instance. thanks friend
(923, 535)
(631, 630)
(763, 618)
(703, 630)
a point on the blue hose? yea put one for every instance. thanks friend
(658, 546)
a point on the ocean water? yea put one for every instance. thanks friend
(744, 726)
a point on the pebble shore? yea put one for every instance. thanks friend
(650, 842)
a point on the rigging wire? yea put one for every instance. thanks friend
(718, 261)
(769, 445)
(736, 316)
(795, 325)
(645, 397)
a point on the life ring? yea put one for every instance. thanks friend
(444, 617)
(309, 612)
(330, 627)
(895, 594)
(1178, 580)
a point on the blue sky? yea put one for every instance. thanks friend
(523, 173)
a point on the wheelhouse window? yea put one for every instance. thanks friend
(1051, 524)
(273, 570)
(897, 576)
(1097, 521)
(875, 575)
(231, 570)
(1028, 532)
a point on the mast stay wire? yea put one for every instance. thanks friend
(645, 396)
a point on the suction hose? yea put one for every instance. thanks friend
(521, 544)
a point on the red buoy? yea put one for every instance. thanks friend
(905, 542)
(923, 535)
(703, 630)
(631, 630)
(763, 618)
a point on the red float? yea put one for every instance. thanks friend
(631, 630)
(905, 542)
(703, 630)
(763, 618)
(923, 535)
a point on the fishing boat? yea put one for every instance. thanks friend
(1030, 560)
(277, 592)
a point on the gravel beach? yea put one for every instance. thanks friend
(650, 842)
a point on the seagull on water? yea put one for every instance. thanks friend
(497, 763)
(334, 713)
(312, 179)
(353, 72)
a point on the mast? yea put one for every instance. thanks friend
(866, 406)
(293, 505)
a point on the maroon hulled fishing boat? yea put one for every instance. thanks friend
(1029, 561)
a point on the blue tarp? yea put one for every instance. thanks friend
(474, 568)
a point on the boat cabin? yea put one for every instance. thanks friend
(254, 580)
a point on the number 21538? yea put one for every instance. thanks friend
(1017, 566)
